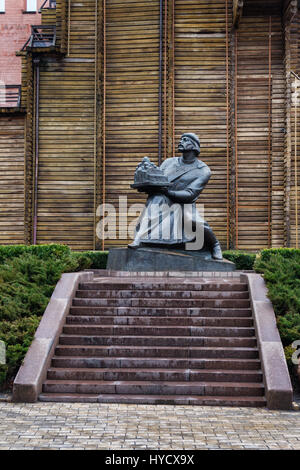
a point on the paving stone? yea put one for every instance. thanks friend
(115, 427)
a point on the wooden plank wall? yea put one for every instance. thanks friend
(131, 79)
(295, 135)
(84, 129)
(201, 96)
(259, 74)
(12, 179)
(66, 140)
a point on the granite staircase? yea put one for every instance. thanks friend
(158, 341)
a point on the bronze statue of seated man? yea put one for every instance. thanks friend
(179, 181)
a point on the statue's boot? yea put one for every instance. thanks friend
(135, 244)
(212, 242)
(216, 252)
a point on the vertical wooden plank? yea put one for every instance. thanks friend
(296, 158)
(28, 167)
(12, 179)
(260, 88)
(171, 77)
(233, 140)
(68, 136)
(99, 118)
(201, 88)
(132, 98)
(165, 78)
(227, 129)
(270, 134)
(294, 18)
(104, 122)
(236, 145)
(287, 149)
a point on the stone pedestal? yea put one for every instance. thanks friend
(162, 259)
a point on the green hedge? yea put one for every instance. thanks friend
(28, 275)
(41, 251)
(281, 270)
(98, 259)
(242, 260)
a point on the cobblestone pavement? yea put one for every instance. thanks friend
(115, 427)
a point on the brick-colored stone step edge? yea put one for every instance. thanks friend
(172, 274)
(158, 321)
(162, 312)
(166, 286)
(163, 351)
(150, 387)
(130, 369)
(160, 294)
(158, 382)
(154, 399)
(167, 374)
(155, 362)
(132, 330)
(162, 348)
(161, 303)
(154, 341)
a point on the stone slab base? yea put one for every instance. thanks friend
(162, 259)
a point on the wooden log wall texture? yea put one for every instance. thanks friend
(131, 80)
(12, 179)
(49, 16)
(260, 89)
(99, 114)
(201, 97)
(295, 134)
(66, 136)
(28, 84)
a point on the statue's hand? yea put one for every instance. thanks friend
(165, 190)
(152, 190)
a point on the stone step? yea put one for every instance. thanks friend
(158, 321)
(127, 330)
(157, 351)
(163, 303)
(154, 387)
(178, 341)
(161, 312)
(154, 362)
(158, 340)
(166, 285)
(192, 375)
(154, 399)
(160, 294)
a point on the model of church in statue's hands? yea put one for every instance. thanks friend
(148, 175)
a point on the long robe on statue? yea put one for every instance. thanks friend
(160, 225)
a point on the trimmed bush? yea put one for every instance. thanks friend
(41, 251)
(97, 258)
(287, 253)
(242, 260)
(289, 351)
(27, 280)
(281, 271)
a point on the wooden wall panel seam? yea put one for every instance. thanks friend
(227, 131)
(270, 134)
(104, 121)
(287, 150)
(28, 163)
(236, 144)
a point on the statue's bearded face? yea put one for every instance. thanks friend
(185, 143)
